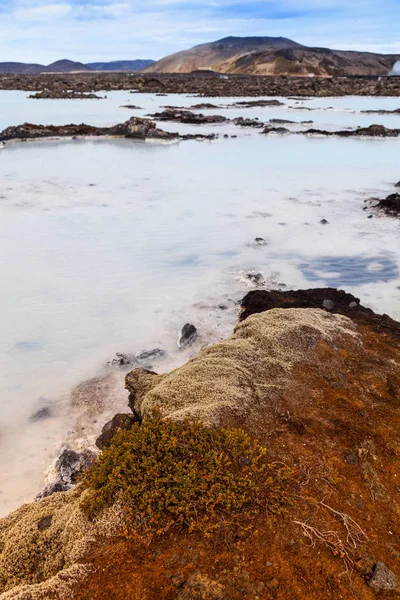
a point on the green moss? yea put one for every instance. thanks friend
(167, 473)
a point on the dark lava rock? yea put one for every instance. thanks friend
(53, 488)
(71, 464)
(118, 423)
(278, 130)
(187, 336)
(39, 415)
(381, 112)
(382, 578)
(131, 106)
(259, 241)
(324, 222)
(256, 278)
(134, 128)
(187, 116)
(28, 131)
(397, 184)
(256, 103)
(372, 131)
(259, 301)
(137, 128)
(122, 360)
(64, 95)
(281, 122)
(391, 205)
(150, 355)
(204, 106)
(241, 122)
(45, 523)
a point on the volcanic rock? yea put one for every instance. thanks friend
(187, 336)
(390, 205)
(118, 423)
(187, 116)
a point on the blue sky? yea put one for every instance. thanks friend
(46, 30)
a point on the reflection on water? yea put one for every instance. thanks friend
(339, 271)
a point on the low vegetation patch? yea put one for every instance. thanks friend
(167, 474)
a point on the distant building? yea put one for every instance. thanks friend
(396, 70)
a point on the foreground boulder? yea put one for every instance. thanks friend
(321, 392)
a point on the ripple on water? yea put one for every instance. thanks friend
(338, 271)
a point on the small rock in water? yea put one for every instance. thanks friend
(256, 278)
(259, 241)
(324, 222)
(122, 360)
(382, 578)
(187, 336)
(150, 354)
(397, 184)
(328, 304)
(39, 415)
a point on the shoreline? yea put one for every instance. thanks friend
(300, 375)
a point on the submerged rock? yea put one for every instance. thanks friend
(154, 354)
(64, 95)
(39, 415)
(187, 336)
(122, 360)
(242, 122)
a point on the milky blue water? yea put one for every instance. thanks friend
(113, 245)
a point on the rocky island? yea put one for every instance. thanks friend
(264, 468)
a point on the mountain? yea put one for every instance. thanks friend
(68, 66)
(273, 56)
(60, 66)
(121, 65)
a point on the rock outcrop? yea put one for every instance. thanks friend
(315, 377)
(134, 128)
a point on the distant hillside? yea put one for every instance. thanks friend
(121, 65)
(273, 56)
(60, 66)
(68, 66)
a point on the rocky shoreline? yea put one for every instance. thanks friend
(313, 376)
(134, 128)
(145, 128)
(231, 86)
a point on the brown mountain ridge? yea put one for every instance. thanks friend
(273, 56)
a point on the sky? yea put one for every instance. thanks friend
(100, 30)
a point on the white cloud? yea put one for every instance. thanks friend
(47, 12)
